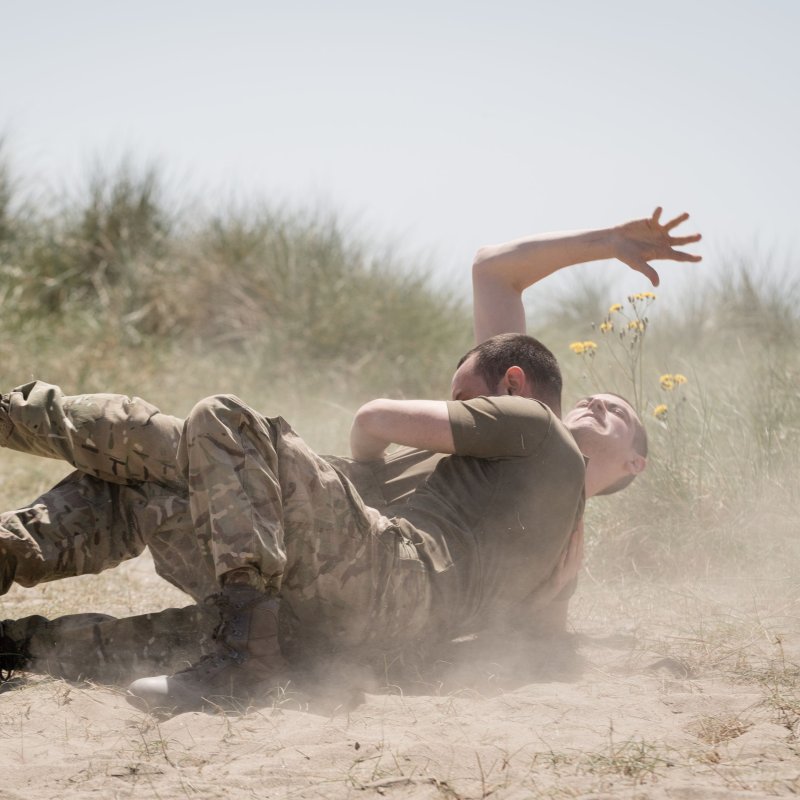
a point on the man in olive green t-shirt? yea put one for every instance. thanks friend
(599, 424)
(418, 572)
(483, 531)
(130, 491)
(474, 540)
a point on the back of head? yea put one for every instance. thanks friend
(495, 356)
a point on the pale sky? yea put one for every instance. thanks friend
(442, 125)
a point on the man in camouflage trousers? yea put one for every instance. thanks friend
(146, 479)
(131, 491)
(266, 513)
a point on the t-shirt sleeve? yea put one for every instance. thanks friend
(499, 427)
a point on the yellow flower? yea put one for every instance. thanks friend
(583, 348)
(669, 382)
(660, 411)
(636, 325)
(606, 326)
(641, 296)
(615, 308)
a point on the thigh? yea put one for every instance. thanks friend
(352, 576)
(260, 496)
(255, 489)
(113, 437)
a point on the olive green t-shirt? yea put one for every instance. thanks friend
(389, 480)
(492, 520)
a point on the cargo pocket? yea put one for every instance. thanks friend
(405, 603)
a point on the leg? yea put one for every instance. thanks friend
(102, 648)
(262, 498)
(121, 441)
(267, 506)
(83, 526)
(112, 437)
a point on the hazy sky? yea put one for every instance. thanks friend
(446, 125)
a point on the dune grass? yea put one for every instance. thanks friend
(117, 289)
(300, 314)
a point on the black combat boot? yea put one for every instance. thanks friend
(245, 663)
(13, 652)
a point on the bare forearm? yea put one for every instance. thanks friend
(501, 273)
(424, 424)
(523, 262)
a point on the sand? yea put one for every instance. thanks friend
(658, 691)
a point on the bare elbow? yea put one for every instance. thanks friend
(490, 266)
(364, 413)
(368, 418)
(366, 441)
(482, 261)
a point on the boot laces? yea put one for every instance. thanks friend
(211, 663)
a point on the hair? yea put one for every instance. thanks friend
(495, 356)
(639, 447)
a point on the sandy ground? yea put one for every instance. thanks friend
(662, 692)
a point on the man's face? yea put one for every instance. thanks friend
(467, 384)
(603, 425)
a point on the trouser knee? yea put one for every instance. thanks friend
(216, 410)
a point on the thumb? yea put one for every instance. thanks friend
(646, 270)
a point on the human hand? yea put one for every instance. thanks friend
(640, 241)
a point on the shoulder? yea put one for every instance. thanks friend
(502, 407)
(501, 426)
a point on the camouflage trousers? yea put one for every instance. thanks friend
(226, 488)
(102, 648)
(258, 495)
(127, 492)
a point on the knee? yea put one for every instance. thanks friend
(219, 408)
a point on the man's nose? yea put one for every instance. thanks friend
(596, 404)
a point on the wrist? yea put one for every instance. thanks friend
(614, 237)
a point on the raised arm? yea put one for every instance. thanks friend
(424, 424)
(501, 273)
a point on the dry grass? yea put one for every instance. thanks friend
(681, 678)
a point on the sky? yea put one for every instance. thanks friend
(440, 126)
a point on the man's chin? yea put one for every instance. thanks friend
(583, 424)
(585, 436)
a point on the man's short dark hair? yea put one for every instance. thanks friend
(495, 356)
(639, 446)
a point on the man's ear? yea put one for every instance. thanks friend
(636, 465)
(514, 381)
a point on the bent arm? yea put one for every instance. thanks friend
(501, 273)
(424, 424)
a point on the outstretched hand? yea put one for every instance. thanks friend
(644, 240)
